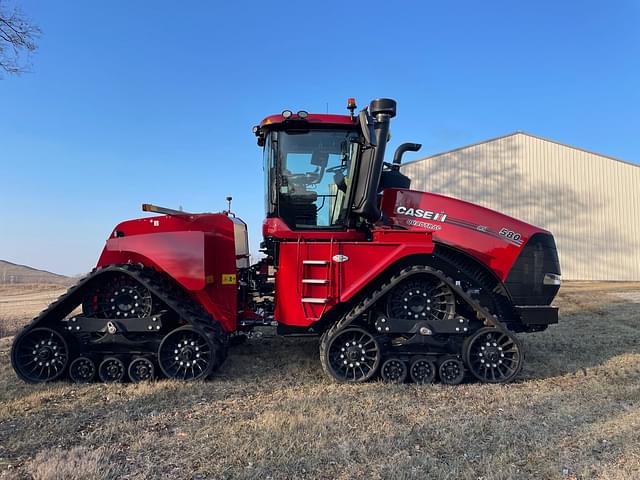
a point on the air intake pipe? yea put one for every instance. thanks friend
(405, 147)
(365, 202)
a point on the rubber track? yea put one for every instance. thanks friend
(162, 286)
(481, 312)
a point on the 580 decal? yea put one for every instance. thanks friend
(510, 234)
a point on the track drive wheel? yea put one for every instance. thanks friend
(39, 355)
(351, 355)
(422, 370)
(111, 370)
(186, 353)
(141, 370)
(82, 370)
(493, 356)
(394, 370)
(421, 297)
(451, 371)
(119, 297)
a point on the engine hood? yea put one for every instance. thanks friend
(492, 237)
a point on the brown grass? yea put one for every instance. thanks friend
(20, 303)
(271, 413)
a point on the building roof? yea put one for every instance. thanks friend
(519, 132)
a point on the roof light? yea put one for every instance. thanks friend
(351, 105)
(255, 129)
(303, 114)
(287, 114)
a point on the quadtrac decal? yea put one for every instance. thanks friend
(417, 214)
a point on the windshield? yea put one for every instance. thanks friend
(314, 176)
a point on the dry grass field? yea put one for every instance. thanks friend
(270, 413)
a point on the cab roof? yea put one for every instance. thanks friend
(311, 118)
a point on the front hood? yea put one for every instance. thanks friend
(492, 237)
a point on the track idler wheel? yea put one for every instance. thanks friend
(141, 370)
(394, 370)
(451, 371)
(422, 370)
(187, 354)
(82, 370)
(39, 355)
(493, 356)
(351, 355)
(111, 370)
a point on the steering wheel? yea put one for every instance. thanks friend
(338, 168)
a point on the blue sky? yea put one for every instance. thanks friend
(133, 102)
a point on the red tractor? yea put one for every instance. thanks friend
(397, 283)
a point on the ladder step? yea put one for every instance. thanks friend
(315, 281)
(315, 300)
(315, 262)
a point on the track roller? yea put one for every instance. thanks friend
(111, 370)
(82, 370)
(493, 356)
(350, 355)
(451, 371)
(394, 370)
(39, 355)
(186, 353)
(422, 370)
(141, 370)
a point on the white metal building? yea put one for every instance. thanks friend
(590, 202)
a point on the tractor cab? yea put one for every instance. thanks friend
(324, 172)
(309, 167)
(309, 164)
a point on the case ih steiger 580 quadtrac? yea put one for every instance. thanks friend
(397, 283)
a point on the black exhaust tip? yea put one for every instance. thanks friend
(385, 106)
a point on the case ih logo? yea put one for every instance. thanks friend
(419, 213)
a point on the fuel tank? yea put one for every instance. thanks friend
(522, 256)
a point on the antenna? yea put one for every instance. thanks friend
(327, 107)
(229, 204)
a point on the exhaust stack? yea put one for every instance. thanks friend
(380, 112)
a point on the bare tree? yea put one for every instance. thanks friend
(17, 38)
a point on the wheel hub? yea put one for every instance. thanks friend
(186, 352)
(45, 353)
(142, 370)
(491, 353)
(451, 369)
(125, 301)
(84, 369)
(423, 298)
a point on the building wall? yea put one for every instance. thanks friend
(589, 202)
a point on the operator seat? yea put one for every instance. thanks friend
(298, 207)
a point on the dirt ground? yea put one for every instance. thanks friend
(270, 413)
